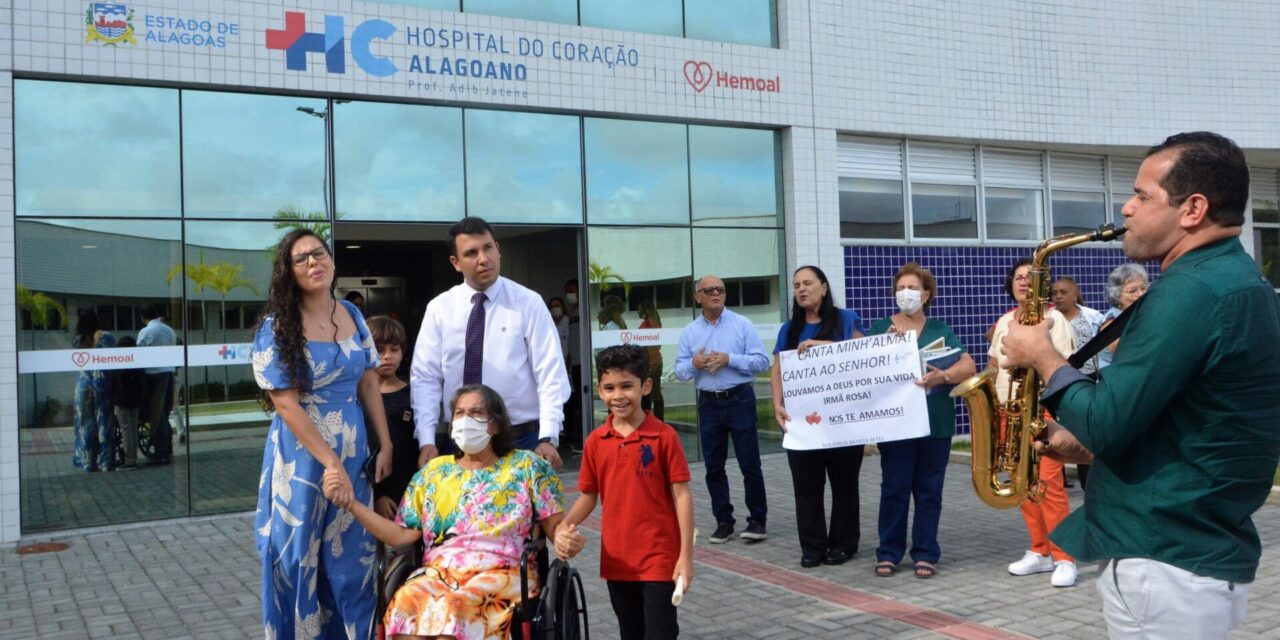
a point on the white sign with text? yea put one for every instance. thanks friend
(859, 391)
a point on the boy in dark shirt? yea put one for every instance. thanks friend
(634, 464)
(389, 338)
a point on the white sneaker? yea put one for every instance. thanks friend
(1030, 563)
(1064, 574)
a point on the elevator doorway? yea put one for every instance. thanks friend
(400, 267)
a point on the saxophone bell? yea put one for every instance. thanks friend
(1006, 468)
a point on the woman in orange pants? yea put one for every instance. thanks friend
(1041, 517)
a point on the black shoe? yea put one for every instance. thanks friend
(836, 557)
(810, 561)
(754, 532)
(723, 532)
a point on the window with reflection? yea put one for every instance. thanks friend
(523, 167)
(1077, 211)
(95, 150)
(733, 177)
(90, 399)
(630, 289)
(944, 211)
(749, 262)
(398, 162)
(253, 156)
(871, 208)
(562, 11)
(228, 273)
(1266, 242)
(637, 172)
(1014, 214)
(1266, 210)
(1118, 201)
(644, 16)
(739, 21)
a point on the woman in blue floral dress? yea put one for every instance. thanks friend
(95, 439)
(314, 358)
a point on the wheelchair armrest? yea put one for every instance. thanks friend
(399, 550)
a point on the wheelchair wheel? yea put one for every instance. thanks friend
(146, 444)
(573, 609)
(562, 611)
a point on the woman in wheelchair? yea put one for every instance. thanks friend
(474, 512)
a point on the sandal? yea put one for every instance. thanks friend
(925, 570)
(886, 569)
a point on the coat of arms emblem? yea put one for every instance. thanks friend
(109, 23)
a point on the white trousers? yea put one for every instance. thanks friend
(1149, 600)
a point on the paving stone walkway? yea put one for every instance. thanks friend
(199, 578)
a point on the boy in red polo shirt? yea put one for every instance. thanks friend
(634, 464)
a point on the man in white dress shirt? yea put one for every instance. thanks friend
(521, 357)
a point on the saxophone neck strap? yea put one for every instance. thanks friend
(1106, 336)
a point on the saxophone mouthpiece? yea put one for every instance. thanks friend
(1108, 231)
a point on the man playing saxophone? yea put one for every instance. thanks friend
(1183, 428)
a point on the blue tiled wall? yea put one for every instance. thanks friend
(971, 293)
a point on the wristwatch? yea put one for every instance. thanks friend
(552, 441)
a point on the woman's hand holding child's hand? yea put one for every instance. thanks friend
(337, 487)
(569, 542)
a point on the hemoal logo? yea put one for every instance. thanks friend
(699, 74)
(628, 337)
(83, 358)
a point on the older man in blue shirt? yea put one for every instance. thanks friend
(722, 353)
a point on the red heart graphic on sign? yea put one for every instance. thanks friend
(81, 358)
(698, 74)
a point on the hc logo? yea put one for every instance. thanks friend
(297, 42)
(231, 353)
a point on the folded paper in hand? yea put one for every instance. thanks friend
(938, 355)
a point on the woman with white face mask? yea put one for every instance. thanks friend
(474, 510)
(917, 467)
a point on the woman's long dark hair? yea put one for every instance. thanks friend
(829, 329)
(86, 326)
(283, 305)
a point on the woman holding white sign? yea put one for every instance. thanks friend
(815, 320)
(917, 467)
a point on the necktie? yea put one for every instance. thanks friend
(473, 361)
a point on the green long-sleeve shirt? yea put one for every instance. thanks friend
(1185, 423)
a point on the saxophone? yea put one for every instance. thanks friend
(1006, 468)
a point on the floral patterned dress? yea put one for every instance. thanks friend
(95, 448)
(317, 562)
(474, 524)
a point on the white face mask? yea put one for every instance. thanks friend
(557, 313)
(471, 435)
(571, 298)
(908, 300)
